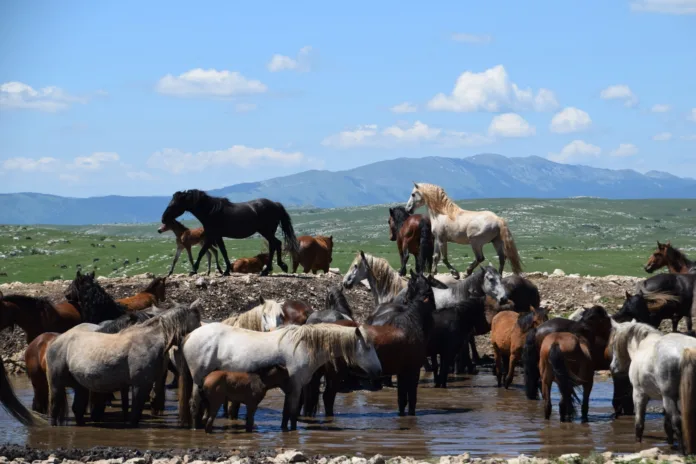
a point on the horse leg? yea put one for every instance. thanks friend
(622, 400)
(401, 392)
(412, 390)
(674, 417)
(209, 259)
(157, 403)
(171, 367)
(233, 410)
(80, 401)
(478, 257)
(445, 260)
(190, 256)
(217, 261)
(475, 358)
(436, 368)
(140, 394)
(124, 403)
(97, 405)
(497, 355)
(640, 402)
(511, 370)
(330, 391)
(195, 404)
(446, 361)
(311, 394)
(499, 246)
(251, 411)
(176, 258)
(279, 252)
(436, 256)
(223, 250)
(291, 408)
(204, 249)
(546, 382)
(403, 256)
(270, 238)
(586, 390)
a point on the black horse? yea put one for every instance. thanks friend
(222, 218)
(336, 308)
(522, 292)
(95, 305)
(664, 296)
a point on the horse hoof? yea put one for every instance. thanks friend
(283, 266)
(226, 273)
(192, 273)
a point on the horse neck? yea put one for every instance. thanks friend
(678, 263)
(389, 283)
(30, 322)
(178, 228)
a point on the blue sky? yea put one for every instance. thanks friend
(142, 98)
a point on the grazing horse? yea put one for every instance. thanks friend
(314, 254)
(336, 308)
(301, 349)
(508, 334)
(659, 366)
(666, 255)
(11, 403)
(185, 239)
(222, 218)
(153, 294)
(666, 296)
(413, 236)
(250, 265)
(35, 315)
(454, 224)
(566, 359)
(135, 358)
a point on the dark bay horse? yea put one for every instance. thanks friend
(222, 218)
(95, 305)
(314, 254)
(35, 315)
(413, 236)
(667, 256)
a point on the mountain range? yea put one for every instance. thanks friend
(480, 176)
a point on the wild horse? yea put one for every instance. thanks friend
(666, 255)
(222, 218)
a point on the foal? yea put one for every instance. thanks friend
(186, 238)
(154, 293)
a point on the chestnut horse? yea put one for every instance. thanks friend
(314, 254)
(508, 334)
(35, 360)
(413, 236)
(250, 265)
(296, 312)
(566, 359)
(666, 255)
(185, 239)
(36, 315)
(154, 293)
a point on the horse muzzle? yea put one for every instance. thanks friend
(648, 269)
(503, 300)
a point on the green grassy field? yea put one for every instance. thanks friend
(586, 236)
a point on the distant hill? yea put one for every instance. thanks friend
(480, 176)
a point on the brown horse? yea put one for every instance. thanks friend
(36, 315)
(153, 294)
(412, 233)
(185, 239)
(296, 312)
(250, 265)
(666, 255)
(566, 359)
(314, 254)
(508, 334)
(35, 360)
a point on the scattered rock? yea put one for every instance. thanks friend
(202, 282)
(558, 273)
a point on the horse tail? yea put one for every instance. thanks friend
(10, 401)
(564, 378)
(185, 388)
(511, 252)
(427, 245)
(687, 393)
(291, 244)
(530, 361)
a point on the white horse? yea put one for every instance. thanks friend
(300, 349)
(451, 223)
(659, 366)
(267, 316)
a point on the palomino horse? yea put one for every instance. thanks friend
(222, 218)
(301, 349)
(250, 265)
(413, 236)
(185, 239)
(454, 224)
(508, 334)
(666, 255)
(153, 294)
(659, 366)
(314, 254)
(566, 359)
(135, 358)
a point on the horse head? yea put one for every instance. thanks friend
(272, 315)
(357, 271)
(419, 289)
(416, 200)
(493, 285)
(163, 228)
(635, 307)
(178, 205)
(658, 259)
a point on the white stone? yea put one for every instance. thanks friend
(559, 273)
(570, 456)
(357, 460)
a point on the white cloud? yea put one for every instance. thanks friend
(692, 115)
(471, 38)
(17, 95)
(576, 151)
(660, 108)
(405, 107)
(620, 92)
(285, 63)
(244, 107)
(625, 149)
(662, 137)
(179, 162)
(688, 137)
(44, 164)
(208, 82)
(95, 161)
(491, 90)
(139, 175)
(570, 120)
(510, 125)
(677, 7)
(404, 134)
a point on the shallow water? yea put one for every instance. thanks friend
(472, 415)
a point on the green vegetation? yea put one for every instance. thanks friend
(585, 236)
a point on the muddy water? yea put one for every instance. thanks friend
(470, 416)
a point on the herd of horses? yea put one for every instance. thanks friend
(98, 346)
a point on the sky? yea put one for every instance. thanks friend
(143, 98)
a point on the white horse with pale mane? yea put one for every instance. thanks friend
(450, 223)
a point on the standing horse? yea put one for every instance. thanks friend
(265, 316)
(666, 255)
(336, 308)
(35, 315)
(154, 293)
(413, 236)
(94, 303)
(314, 254)
(454, 224)
(659, 366)
(301, 349)
(222, 218)
(185, 239)
(135, 358)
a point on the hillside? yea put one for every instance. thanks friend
(480, 176)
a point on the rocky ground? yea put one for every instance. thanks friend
(224, 296)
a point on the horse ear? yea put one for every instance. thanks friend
(628, 295)
(659, 245)
(92, 274)
(415, 185)
(391, 211)
(261, 300)
(78, 274)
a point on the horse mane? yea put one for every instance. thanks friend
(336, 340)
(198, 196)
(386, 278)
(676, 255)
(526, 321)
(37, 304)
(438, 201)
(253, 318)
(656, 299)
(123, 322)
(153, 285)
(336, 300)
(462, 288)
(399, 214)
(633, 330)
(174, 323)
(96, 305)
